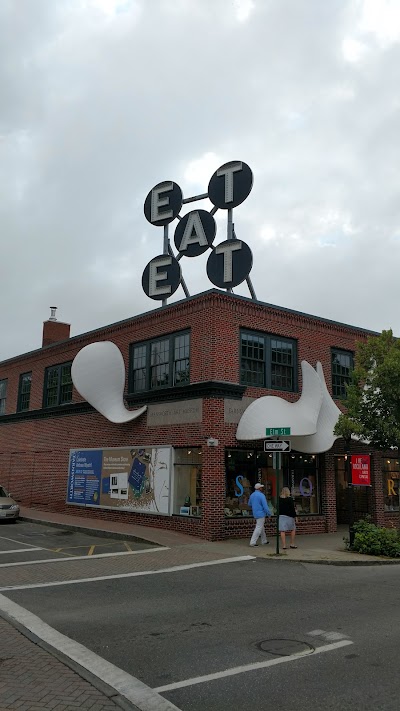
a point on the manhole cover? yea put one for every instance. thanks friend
(285, 647)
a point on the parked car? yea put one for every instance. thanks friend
(9, 509)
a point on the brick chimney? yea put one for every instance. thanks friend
(54, 331)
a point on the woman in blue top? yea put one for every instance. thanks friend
(260, 509)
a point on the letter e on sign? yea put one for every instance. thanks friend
(163, 203)
(161, 277)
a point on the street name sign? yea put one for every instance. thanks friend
(277, 431)
(276, 445)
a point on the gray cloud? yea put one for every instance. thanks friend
(101, 100)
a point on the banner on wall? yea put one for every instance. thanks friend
(360, 469)
(125, 478)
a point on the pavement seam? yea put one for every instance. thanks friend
(85, 674)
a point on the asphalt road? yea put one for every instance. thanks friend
(24, 541)
(181, 625)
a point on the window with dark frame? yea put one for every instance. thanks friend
(160, 363)
(58, 385)
(342, 367)
(24, 392)
(3, 395)
(268, 361)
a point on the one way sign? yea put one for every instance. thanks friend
(276, 445)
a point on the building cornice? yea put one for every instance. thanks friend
(209, 389)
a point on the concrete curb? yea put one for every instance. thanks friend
(93, 531)
(131, 537)
(343, 563)
(95, 681)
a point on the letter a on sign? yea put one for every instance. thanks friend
(195, 233)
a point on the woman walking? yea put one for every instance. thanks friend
(287, 517)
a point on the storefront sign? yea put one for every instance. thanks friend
(126, 478)
(229, 263)
(360, 469)
(175, 413)
(234, 409)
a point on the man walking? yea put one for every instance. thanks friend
(260, 509)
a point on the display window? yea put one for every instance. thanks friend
(390, 471)
(187, 481)
(244, 468)
(359, 494)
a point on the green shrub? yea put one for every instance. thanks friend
(374, 540)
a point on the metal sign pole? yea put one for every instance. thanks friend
(165, 251)
(350, 494)
(277, 458)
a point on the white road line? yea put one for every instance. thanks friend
(19, 550)
(21, 543)
(145, 698)
(252, 667)
(79, 557)
(126, 575)
(330, 636)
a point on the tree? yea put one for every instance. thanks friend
(373, 396)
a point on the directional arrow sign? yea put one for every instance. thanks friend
(275, 445)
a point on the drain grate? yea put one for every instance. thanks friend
(285, 647)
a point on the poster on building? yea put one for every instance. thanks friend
(126, 478)
(360, 469)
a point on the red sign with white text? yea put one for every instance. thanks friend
(361, 470)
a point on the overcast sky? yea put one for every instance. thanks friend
(103, 99)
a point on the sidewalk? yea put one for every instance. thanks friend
(322, 548)
(33, 679)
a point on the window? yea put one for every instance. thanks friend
(342, 366)
(246, 467)
(160, 363)
(3, 395)
(268, 361)
(187, 481)
(359, 494)
(24, 391)
(391, 471)
(58, 385)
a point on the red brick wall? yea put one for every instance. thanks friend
(54, 332)
(34, 453)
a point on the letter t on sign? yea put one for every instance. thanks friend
(228, 172)
(226, 248)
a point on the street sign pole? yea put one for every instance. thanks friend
(276, 460)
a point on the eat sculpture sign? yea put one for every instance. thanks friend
(229, 262)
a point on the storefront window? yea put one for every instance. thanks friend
(187, 481)
(359, 495)
(245, 467)
(390, 469)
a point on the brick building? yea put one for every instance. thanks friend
(196, 365)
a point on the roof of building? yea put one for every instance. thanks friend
(116, 324)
